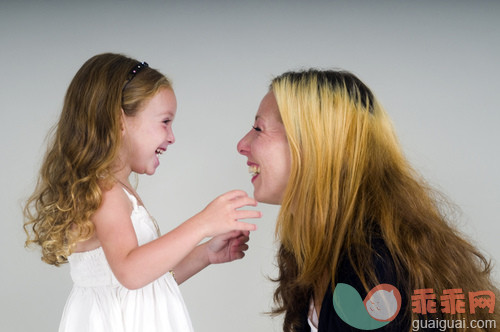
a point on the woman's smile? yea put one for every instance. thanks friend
(268, 153)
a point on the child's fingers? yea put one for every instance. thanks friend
(230, 235)
(238, 198)
(248, 214)
(239, 255)
(240, 242)
(236, 237)
(243, 239)
(234, 194)
(241, 247)
(244, 226)
(241, 201)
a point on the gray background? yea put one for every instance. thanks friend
(433, 64)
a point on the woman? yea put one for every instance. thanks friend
(353, 211)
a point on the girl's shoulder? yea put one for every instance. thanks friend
(113, 223)
(114, 202)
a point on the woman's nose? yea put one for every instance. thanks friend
(243, 145)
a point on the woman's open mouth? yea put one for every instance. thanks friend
(254, 170)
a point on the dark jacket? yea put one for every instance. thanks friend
(329, 321)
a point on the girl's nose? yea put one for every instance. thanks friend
(171, 137)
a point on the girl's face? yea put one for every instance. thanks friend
(268, 153)
(147, 134)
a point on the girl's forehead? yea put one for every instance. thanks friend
(162, 103)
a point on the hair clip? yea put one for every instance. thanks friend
(134, 71)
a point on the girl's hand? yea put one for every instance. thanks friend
(223, 214)
(227, 247)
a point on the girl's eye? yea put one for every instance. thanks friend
(256, 128)
(166, 121)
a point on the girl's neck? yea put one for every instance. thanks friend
(121, 172)
(126, 184)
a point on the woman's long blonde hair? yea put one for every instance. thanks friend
(83, 148)
(350, 184)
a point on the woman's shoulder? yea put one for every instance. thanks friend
(384, 269)
(385, 272)
(383, 264)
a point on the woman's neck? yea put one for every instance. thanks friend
(319, 291)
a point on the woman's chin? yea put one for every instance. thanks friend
(266, 199)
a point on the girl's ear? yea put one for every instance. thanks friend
(122, 122)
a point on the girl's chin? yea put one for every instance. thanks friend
(150, 171)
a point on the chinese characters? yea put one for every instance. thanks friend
(452, 301)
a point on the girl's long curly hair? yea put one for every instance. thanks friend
(84, 147)
(349, 178)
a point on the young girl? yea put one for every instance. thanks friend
(117, 119)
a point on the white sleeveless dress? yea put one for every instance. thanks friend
(99, 303)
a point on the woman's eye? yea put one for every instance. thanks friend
(256, 128)
(166, 121)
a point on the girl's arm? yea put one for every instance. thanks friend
(220, 249)
(135, 266)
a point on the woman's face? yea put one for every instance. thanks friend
(268, 153)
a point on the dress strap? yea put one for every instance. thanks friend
(132, 198)
(136, 206)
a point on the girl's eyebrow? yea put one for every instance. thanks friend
(167, 113)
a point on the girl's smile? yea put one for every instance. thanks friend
(148, 134)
